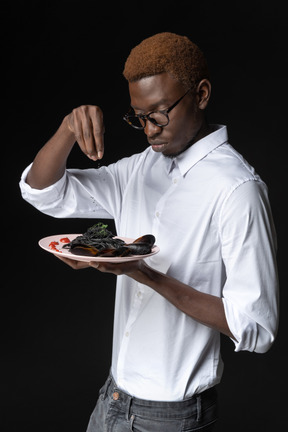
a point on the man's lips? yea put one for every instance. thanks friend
(159, 147)
(157, 143)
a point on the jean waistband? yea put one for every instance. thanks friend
(179, 409)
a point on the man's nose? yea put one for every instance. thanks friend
(151, 129)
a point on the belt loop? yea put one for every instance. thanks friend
(128, 408)
(109, 379)
(199, 408)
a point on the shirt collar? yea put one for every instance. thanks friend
(168, 162)
(199, 150)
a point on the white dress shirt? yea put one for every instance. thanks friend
(210, 214)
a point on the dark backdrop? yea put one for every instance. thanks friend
(57, 323)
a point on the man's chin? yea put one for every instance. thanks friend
(171, 154)
(165, 149)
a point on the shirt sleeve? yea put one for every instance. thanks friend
(68, 197)
(89, 193)
(250, 294)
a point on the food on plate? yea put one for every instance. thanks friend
(53, 244)
(100, 242)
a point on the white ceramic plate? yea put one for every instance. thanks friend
(46, 244)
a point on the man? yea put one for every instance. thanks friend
(210, 214)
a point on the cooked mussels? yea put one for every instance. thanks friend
(98, 241)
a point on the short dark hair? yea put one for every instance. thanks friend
(167, 52)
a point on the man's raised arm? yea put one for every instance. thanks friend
(84, 125)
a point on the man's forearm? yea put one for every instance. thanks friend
(50, 162)
(202, 307)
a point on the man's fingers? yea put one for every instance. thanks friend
(86, 122)
(88, 138)
(106, 267)
(76, 265)
(98, 130)
(75, 125)
(116, 268)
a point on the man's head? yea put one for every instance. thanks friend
(160, 70)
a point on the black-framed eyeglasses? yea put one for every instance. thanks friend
(158, 118)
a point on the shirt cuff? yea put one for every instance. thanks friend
(241, 326)
(51, 193)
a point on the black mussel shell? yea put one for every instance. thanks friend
(142, 245)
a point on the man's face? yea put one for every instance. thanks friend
(159, 92)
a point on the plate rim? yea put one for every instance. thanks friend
(83, 258)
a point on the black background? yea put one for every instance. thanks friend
(57, 323)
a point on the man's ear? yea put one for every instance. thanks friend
(203, 92)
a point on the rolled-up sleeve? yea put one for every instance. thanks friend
(79, 193)
(47, 200)
(250, 294)
(84, 193)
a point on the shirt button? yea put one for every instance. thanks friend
(115, 396)
(175, 180)
(127, 334)
(157, 214)
(139, 294)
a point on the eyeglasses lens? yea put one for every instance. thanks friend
(157, 118)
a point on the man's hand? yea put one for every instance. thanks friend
(130, 268)
(75, 265)
(86, 122)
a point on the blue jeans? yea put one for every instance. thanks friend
(116, 411)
